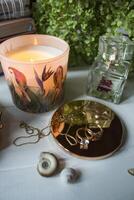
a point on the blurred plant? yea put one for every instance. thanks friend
(81, 23)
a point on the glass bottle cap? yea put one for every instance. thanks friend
(116, 47)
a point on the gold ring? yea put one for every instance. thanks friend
(94, 135)
(82, 140)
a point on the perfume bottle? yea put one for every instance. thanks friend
(109, 72)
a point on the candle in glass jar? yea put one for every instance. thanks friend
(34, 53)
(35, 67)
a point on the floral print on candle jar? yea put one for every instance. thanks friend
(36, 99)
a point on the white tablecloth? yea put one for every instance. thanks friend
(106, 179)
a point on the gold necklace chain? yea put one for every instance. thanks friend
(37, 133)
(82, 135)
(31, 133)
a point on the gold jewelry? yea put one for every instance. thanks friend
(31, 133)
(82, 140)
(91, 132)
(84, 135)
(69, 138)
(94, 135)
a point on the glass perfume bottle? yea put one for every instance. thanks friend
(109, 72)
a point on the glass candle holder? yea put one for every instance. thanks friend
(35, 67)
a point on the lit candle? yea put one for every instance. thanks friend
(35, 67)
(34, 53)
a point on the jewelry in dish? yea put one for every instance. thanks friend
(94, 134)
(82, 138)
(87, 129)
(86, 135)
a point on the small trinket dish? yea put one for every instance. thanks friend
(48, 164)
(87, 129)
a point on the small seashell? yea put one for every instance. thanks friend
(131, 171)
(48, 164)
(69, 175)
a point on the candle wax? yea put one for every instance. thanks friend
(34, 53)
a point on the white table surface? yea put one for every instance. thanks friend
(105, 179)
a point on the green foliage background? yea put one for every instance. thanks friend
(81, 22)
